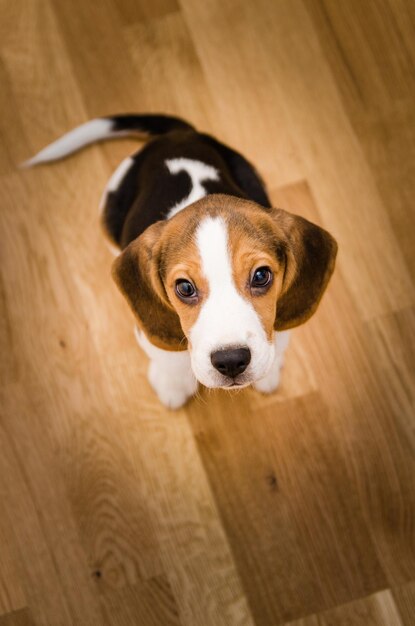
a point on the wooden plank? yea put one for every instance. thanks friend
(194, 548)
(281, 484)
(376, 70)
(391, 341)
(405, 600)
(377, 610)
(71, 410)
(375, 79)
(249, 114)
(10, 152)
(168, 70)
(131, 12)
(150, 604)
(352, 363)
(46, 106)
(17, 618)
(51, 564)
(12, 596)
(102, 64)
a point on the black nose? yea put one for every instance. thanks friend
(231, 362)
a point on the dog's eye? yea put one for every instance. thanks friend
(185, 289)
(261, 277)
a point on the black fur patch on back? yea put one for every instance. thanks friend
(151, 124)
(149, 191)
(244, 174)
(119, 202)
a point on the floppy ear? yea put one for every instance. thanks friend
(137, 273)
(310, 254)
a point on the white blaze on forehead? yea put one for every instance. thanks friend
(226, 319)
(198, 172)
(212, 243)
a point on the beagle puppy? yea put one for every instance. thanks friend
(214, 275)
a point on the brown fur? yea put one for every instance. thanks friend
(300, 254)
(186, 265)
(310, 253)
(137, 273)
(251, 250)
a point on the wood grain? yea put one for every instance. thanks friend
(405, 600)
(149, 603)
(380, 101)
(17, 618)
(377, 610)
(295, 508)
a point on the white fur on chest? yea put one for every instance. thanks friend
(199, 172)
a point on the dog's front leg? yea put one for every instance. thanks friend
(270, 382)
(170, 373)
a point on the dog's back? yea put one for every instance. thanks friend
(168, 174)
(177, 167)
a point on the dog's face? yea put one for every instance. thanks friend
(224, 285)
(219, 278)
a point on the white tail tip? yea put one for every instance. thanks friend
(87, 133)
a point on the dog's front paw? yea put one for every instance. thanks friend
(172, 391)
(270, 382)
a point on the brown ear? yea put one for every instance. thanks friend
(137, 274)
(310, 254)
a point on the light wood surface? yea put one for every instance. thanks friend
(296, 508)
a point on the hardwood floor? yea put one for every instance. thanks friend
(292, 509)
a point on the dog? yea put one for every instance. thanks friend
(214, 274)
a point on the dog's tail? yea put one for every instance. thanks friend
(104, 128)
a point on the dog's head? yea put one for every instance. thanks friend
(219, 278)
